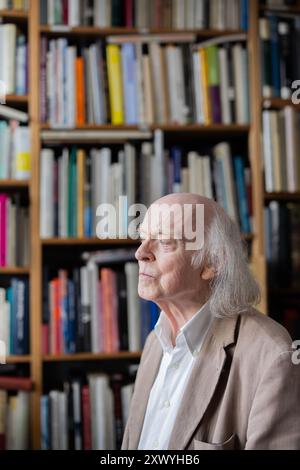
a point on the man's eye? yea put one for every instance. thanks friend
(164, 242)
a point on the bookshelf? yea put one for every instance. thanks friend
(91, 356)
(278, 103)
(41, 133)
(182, 131)
(14, 15)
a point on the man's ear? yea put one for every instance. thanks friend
(208, 273)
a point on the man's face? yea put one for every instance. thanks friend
(165, 270)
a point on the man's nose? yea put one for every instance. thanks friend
(144, 253)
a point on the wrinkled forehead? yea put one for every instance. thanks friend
(171, 220)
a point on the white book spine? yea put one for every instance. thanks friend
(193, 168)
(9, 56)
(71, 87)
(133, 309)
(197, 87)
(171, 72)
(74, 13)
(190, 13)
(224, 84)
(207, 177)
(292, 150)
(46, 194)
(267, 152)
(63, 195)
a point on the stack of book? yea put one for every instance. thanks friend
(281, 150)
(87, 414)
(14, 412)
(14, 5)
(172, 14)
(145, 80)
(96, 309)
(14, 312)
(14, 231)
(280, 37)
(15, 153)
(14, 61)
(74, 182)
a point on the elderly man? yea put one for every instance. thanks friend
(215, 373)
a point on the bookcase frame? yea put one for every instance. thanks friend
(253, 131)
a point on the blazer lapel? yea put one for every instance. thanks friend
(203, 381)
(142, 390)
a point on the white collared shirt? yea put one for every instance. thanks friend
(170, 383)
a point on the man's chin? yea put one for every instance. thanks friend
(144, 294)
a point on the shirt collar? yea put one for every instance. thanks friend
(191, 334)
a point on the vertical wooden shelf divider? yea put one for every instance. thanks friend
(36, 254)
(255, 151)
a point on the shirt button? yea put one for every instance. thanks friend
(155, 444)
(167, 404)
(195, 353)
(176, 365)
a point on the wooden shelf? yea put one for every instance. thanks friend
(113, 31)
(16, 99)
(14, 271)
(278, 103)
(284, 291)
(14, 184)
(212, 128)
(282, 196)
(92, 356)
(14, 14)
(17, 359)
(108, 241)
(88, 241)
(281, 9)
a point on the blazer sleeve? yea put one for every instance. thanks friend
(274, 420)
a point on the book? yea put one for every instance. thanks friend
(15, 383)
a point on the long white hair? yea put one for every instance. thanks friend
(233, 288)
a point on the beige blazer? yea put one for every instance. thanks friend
(243, 392)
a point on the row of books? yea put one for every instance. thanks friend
(14, 231)
(282, 222)
(14, 61)
(175, 14)
(280, 65)
(14, 4)
(86, 415)
(15, 152)
(75, 184)
(144, 82)
(14, 311)
(95, 309)
(14, 420)
(281, 147)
